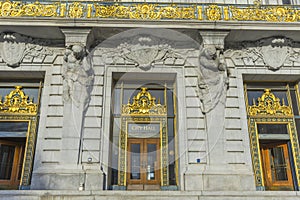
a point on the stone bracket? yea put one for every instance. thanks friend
(214, 38)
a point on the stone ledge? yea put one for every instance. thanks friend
(118, 195)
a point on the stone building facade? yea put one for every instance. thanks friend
(104, 99)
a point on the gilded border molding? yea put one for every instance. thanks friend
(255, 147)
(143, 109)
(30, 144)
(150, 11)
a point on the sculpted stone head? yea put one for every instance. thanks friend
(211, 52)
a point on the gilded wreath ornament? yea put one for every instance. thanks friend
(269, 104)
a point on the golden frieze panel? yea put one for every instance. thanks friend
(17, 102)
(144, 103)
(150, 11)
(269, 104)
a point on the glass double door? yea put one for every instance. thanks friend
(276, 166)
(143, 164)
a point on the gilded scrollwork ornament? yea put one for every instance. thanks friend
(150, 11)
(143, 103)
(269, 104)
(16, 102)
(213, 13)
(76, 10)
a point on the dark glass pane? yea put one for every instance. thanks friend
(298, 128)
(286, 2)
(294, 102)
(6, 161)
(170, 103)
(271, 85)
(159, 96)
(117, 99)
(282, 97)
(128, 94)
(171, 148)
(151, 161)
(253, 96)
(171, 140)
(172, 175)
(135, 159)
(171, 127)
(114, 176)
(13, 129)
(21, 163)
(115, 150)
(32, 93)
(278, 164)
(272, 129)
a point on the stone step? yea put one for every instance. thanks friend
(146, 195)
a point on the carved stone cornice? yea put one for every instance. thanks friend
(269, 105)
(16, 102)
(273, 52)
(14, 47)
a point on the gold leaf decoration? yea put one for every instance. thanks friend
(213, 12)
(143, 103)
(150, 11)
(269, 104)
(17, 102)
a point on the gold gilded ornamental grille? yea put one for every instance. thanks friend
(143, 109)
(270, 110)
(150, 11)
(17, 107)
